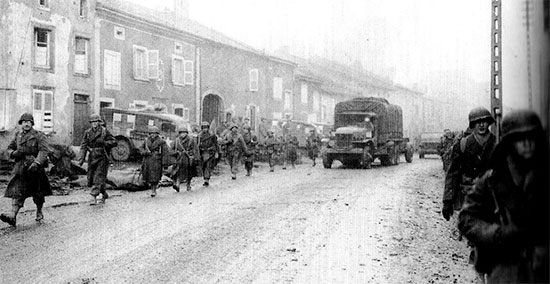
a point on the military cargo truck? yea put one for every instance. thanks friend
(367, 129)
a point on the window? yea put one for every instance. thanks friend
(44, 3)
(42, 48)
(303, 93)
(120, 33)
(324, 113)
(83, 9)
(188, 73)
(140, 63)
(177, 70)
(111, 70)
(182, 111)
(153, 63)
(253, 79)
(42, 110)
(278, 88)
(316, 99)
(288, 100)
(81, 56)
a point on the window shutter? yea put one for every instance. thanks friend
(188, 72)
(153, 56)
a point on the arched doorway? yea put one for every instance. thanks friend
(212, 109)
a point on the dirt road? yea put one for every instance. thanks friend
(306, 225)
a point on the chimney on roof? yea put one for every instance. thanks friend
(181, 10)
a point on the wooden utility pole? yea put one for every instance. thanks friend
(496, 65)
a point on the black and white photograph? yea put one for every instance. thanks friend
(274, 141)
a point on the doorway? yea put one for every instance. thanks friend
(212, 110)
(81, 115)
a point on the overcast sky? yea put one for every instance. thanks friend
(404, 39)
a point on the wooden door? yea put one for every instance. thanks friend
(81, 116)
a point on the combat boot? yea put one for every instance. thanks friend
(94, 200)
(39, 214)
(188, 186)
(248, 173)
(8, 218)
(176, 187)
(205, 182)
(153, 191)
(234, 176)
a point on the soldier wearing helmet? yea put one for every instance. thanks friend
(97, 144)
(187, 152)
(209, 151)
(251, 142)
(313, 143)
(235, 148)
(271, 145)
(29, 149)
(507, 210)
(469, 159)
(154, 150)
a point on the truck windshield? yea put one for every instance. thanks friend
(358, 120)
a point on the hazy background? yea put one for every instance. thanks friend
(439, 46)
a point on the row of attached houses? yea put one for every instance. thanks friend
(63, 60)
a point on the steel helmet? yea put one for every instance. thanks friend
(182, 128)
(154, 129)
(26, 117)
(95, 117)
(233, 125)
(480, 114)
(205, 124)
(520, 122)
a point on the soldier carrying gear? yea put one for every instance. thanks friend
(506, 215)
(251, 141)
(29, 149)
(186, 151)
(209, 151)
(271, 145)
(235, 147)
(313, 143)
(98, 142)
(153, 149)
(469, 159)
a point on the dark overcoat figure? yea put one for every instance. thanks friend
(313, 143)
(292, 150)
(185, 167)
(30, 150)
(209, 151)
(272, 147)
(506, 214)
(235, 148)
(97, 142)
(153, 149)
(251, 142)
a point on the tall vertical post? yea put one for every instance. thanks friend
(496, 65)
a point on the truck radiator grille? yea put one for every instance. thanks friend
(343, 140)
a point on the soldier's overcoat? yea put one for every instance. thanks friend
(98, 142)
(153, 151)
(187, 151)
(34, 147)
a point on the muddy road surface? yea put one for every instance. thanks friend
(303, 225)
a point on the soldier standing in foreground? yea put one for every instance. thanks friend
(235, 147)
(186, 150)
(251, 141)
(29, 149)
(506, 214)
(153, 149)
(469, 159)
(209, 151)
(98, 141)
(271, 146)
(313, 143)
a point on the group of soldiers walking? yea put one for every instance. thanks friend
(501, 191)
(187, 157)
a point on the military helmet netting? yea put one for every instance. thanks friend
(478, 114)
(153, 129)
(94, 117)
(26, 117)
(205, 124)
(183, 128)
(520, 122)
